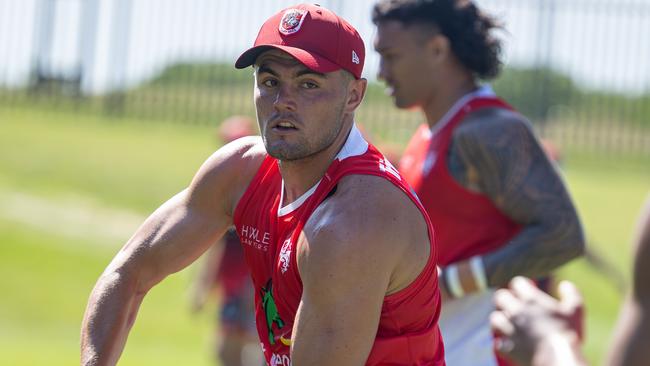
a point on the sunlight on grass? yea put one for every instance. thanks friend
(61, 158)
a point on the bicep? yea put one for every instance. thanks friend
(513, 171)
(184, 227)
(339, 312)
(171, 238)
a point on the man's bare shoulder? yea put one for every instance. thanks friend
(367, 204)
(225, 175)
(369, 220)
(490, 146)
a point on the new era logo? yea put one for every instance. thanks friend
(355, 58)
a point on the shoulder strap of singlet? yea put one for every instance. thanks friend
(365, 165)
(265, 172)
(471, 106)
(475, 104)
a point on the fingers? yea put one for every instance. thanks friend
(569, 296)
(572, 305)
(526, 290)
(504, 346)
(501, 325)
(506, 301)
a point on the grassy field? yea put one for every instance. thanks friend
(73, 189)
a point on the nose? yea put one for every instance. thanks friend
(285, 99)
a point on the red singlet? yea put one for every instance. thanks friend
(408, 332)
(466, 223)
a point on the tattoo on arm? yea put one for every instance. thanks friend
(500, 157)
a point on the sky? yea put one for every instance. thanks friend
(602, 44)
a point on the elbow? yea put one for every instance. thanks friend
(574, 243)
(579, 243)
(576, 248)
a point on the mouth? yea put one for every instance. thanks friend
(283, 125)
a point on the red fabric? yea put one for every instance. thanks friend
(408, 331)
(466, 223)
(314, 35)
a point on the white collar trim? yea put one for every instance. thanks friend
(482, 91)
(354, 145)
(297, 203)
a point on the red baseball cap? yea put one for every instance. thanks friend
(315, 36)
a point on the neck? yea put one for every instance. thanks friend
(441, 102)
(300, 175)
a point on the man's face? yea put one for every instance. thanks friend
(405, 64)
(300, 111)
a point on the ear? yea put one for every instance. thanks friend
(438, 48)
(356, 92)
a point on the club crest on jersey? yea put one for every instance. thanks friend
(285, 255)
(292, 21)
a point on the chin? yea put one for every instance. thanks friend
(404, 104)
(285, 152)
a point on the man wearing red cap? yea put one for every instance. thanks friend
(341, 253)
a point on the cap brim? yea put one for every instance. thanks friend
(311, 60)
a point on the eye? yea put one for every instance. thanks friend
(309, 85)
(270, 82)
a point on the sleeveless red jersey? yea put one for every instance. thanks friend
(466, 223)
(408, 332)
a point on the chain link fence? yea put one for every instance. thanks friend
(579, 69)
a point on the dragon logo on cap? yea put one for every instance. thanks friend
(292, 21)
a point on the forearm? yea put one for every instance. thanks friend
(535, 251)
(532, 253)
(109, 316)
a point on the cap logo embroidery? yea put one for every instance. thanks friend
(355, 58)
(292, 21)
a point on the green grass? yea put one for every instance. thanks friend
(609, 193)
(46, 281)
(122, 163)
(46, 274)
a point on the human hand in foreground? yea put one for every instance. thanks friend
(533, 328)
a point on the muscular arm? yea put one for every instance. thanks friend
(495, 152)
(349, 259)
(169, 240)
(631, 343)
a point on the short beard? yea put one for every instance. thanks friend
(306, 150)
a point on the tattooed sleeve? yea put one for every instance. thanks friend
(496, 153)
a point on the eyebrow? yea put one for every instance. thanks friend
(307, 71)
(264, 68)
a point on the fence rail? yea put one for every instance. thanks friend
(579, 69)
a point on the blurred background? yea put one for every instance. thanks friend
(108, 107)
